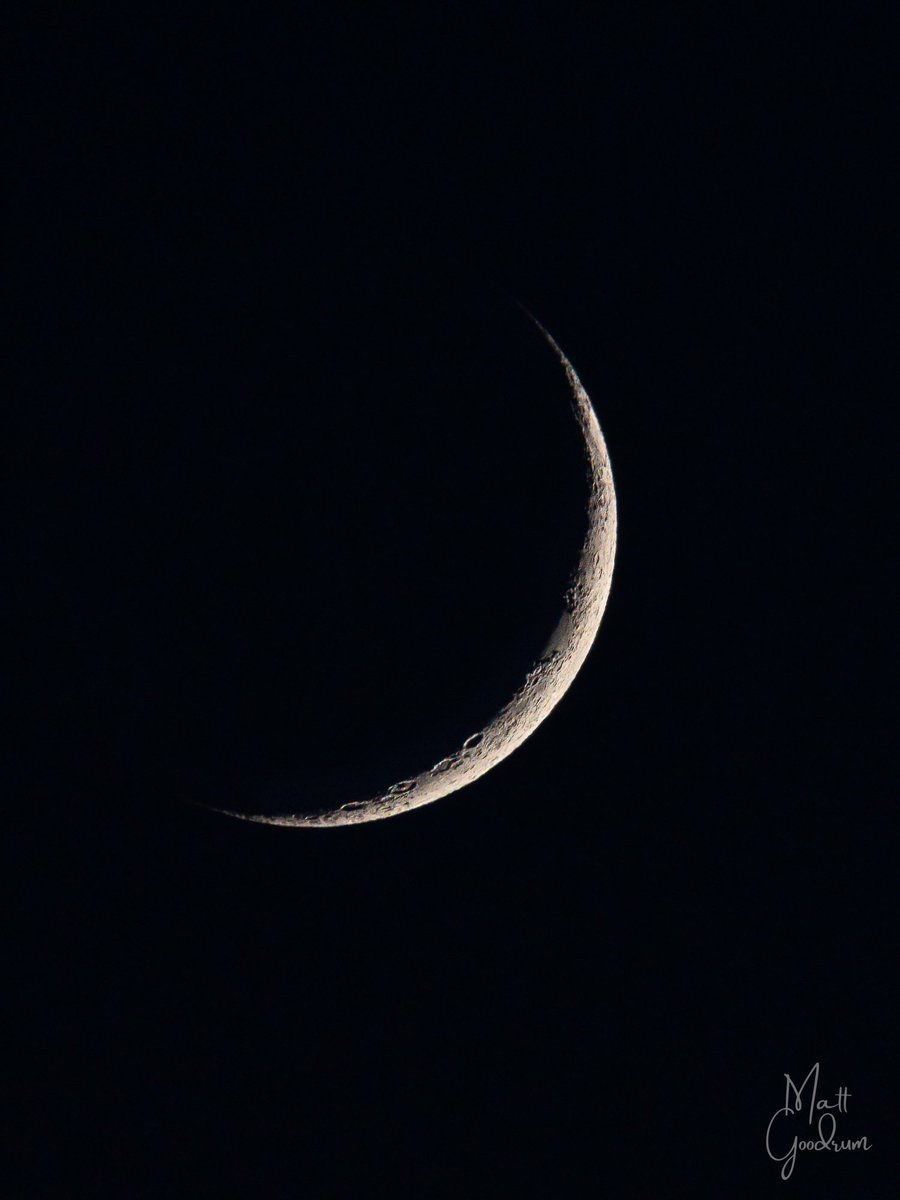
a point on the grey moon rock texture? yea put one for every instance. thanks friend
(548, 679)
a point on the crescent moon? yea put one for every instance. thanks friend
(547, 681)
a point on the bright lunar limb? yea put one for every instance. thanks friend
(547, 681)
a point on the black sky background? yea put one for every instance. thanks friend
(293, 495)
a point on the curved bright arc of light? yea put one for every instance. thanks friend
(547, 681)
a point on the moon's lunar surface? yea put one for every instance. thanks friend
(547, 681)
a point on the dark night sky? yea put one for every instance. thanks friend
(293, 495)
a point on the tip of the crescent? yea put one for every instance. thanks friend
(254, 818)
(533, 319)
(547, 335)
(292, 821)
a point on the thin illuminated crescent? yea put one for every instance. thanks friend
(547, 681)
